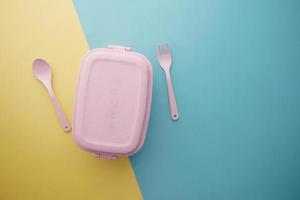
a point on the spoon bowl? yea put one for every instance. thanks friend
(42, 71)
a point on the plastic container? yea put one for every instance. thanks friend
(113, 101)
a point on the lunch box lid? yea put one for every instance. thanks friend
(112, 102)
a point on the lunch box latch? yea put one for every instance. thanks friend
(110, 157)
(119, 47)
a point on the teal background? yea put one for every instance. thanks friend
(236, 74)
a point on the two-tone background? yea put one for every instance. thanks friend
(236, 74)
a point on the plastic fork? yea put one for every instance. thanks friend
(164, 56)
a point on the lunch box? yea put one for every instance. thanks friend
(112, 102)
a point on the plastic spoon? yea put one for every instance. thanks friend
(42, 71)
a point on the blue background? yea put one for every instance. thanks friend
(236, 74)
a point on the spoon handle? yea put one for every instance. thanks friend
(61, 115)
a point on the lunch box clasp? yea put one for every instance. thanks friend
(119, 47)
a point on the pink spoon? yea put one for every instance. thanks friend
(42, 71)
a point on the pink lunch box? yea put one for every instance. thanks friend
(113, 101)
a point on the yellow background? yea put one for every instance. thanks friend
(38, 160)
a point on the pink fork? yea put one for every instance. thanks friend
(165, 60)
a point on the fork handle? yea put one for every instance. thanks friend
(172, 100)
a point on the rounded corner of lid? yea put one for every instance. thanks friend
(144, 58)
(79, 140)
(133, 147)
(91, 52)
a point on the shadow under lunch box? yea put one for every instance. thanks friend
(113, 101)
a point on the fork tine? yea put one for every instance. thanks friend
(158, 50)
(161, 50)
(167, 48)
(164, 49)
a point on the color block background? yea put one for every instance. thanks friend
(37, 159)
(236, 74)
